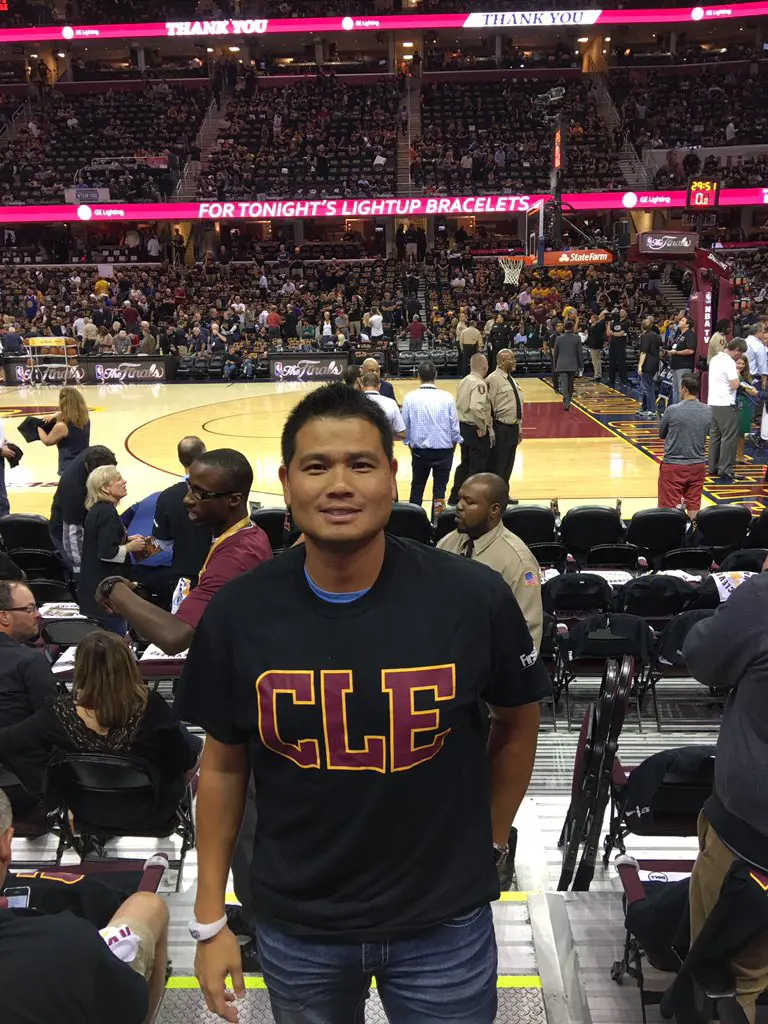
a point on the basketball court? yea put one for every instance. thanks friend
(587, 455)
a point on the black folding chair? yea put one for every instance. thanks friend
(662, 796)
(533, 525)
(41, 564)
(50, 591)
(656, 531)
(588, 525)
(104, 796)
(589, 644)
(613, 556)
(590, 788)
(19, 530)
(668, 662)
(576, 595)
(746, 560)
(694, 559)
(409, 521)
(63, 633)
(723, 528)
(656, 598)
(550, 554)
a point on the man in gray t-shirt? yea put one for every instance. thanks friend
(684, 427)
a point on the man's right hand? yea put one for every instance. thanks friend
(215, 959)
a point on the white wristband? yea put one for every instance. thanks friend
(203, 932)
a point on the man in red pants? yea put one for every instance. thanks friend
(684, 428)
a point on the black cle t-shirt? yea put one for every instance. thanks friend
(366, 734)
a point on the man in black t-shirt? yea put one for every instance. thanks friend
(191, 543)
(648, 366)
(682, 355)
(596, 335)
(618, 339)
(354, 696)
(59, 967)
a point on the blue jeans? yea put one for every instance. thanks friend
(677, 377)
(447, 973)
(648, 392)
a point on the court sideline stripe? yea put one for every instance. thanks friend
(251, 981)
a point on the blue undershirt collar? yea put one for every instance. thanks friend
(330, 596)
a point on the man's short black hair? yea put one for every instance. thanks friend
(427, 371)
(98, 455)
(691, 383)
(334, 402)
(189, 450)
(722, 326)
(568, 326)
(235, 469)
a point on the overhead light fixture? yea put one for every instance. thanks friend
(209, 49)
(234, 49)
(61, 54)
(607, 39)
(582, 39)
(407, 56)
(33, 56)
(408, 45)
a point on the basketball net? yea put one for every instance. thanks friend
(512, 268)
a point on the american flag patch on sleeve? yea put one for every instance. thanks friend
(531, 579)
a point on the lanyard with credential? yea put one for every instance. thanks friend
(243, 524)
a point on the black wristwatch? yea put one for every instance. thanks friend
(108, 585)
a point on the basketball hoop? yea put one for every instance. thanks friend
(512, 267)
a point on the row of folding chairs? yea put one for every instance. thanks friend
(582, 651)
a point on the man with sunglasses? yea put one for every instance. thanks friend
(26, 680)
(217, 501)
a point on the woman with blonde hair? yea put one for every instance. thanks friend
(71, 430)
(110, 711)
(106, 546)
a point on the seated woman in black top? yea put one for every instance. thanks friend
(71, 430)
(112, 712)
(106, 545)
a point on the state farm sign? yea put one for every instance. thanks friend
(668, 243)
(571, 257)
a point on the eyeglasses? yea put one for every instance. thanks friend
(30, 609)
(202, 495)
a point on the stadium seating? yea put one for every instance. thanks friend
(485, 137)
(62, 138)
(322, 137)
(691, 110)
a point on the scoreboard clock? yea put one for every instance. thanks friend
(703, 193)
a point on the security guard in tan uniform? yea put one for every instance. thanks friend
(482, 536)
(474, 408)
(507, 410)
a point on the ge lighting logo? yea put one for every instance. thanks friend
(631, 199)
